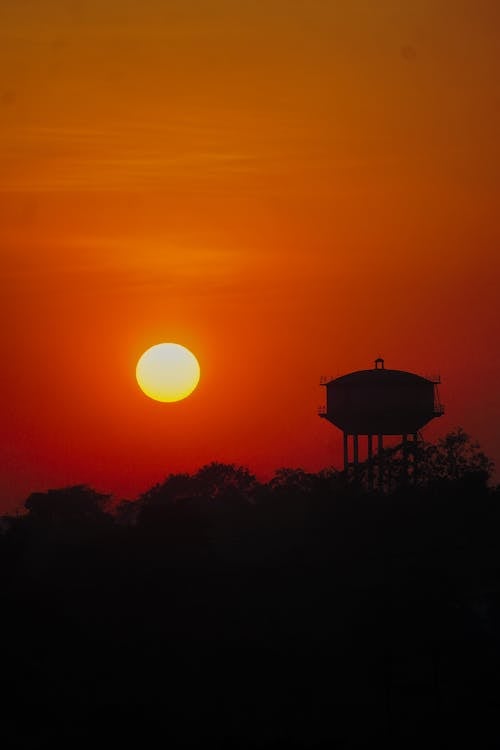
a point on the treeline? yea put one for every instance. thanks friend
(454, 460)
(307, 608)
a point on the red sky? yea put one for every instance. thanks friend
(288, 188)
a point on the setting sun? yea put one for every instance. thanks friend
(168, 372)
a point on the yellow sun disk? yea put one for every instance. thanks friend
(168, 372)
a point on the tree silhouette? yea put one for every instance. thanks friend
(175, 488)
(454, 457)
(286, 480)
(80, 505)
(225, 482)
(213, 482)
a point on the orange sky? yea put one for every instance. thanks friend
(289, 188)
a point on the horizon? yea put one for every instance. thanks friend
(366, 482)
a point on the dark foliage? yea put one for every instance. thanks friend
(303, 611)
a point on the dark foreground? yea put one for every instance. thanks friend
(306, 615)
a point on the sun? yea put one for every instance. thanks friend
(167, 372)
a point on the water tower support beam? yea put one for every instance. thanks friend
(356, 455)
(415, 457)
(369, 439)
(346, 451)
(380, 460)
(405, 459)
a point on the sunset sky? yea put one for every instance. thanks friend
(289, 188)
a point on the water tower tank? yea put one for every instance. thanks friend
(380, 402)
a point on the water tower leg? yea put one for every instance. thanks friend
(370, 462)
(380, 457)
(356, 456)
(415, 457)
(405, 459)
(346, 451)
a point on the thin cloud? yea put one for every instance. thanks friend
(51, 164)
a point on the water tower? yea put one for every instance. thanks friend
(379, 402)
